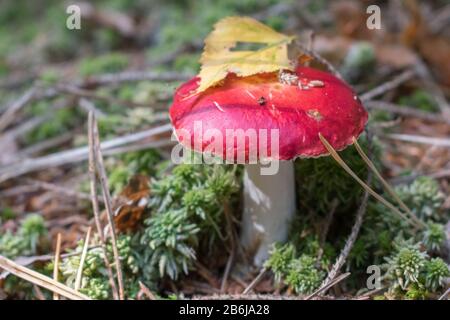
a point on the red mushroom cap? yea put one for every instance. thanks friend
(313, 102)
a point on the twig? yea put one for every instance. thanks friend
(388, 85)
(8, 116)
(75, 155)
(440, 142)
(108, 205)
(146, 291)
(37, 93)
(27, 126)
(79, 275)
(38, 292)
(61, 190)
(255, 281)
(423, 71)
(92, 95)
(95, 205)
(131, 76)
(441, 19)
(329, 219)
(369, 293)
(44, 145)
(88, 105)
(351, 239)
(404, 111)
(327, 286)
(56, 264)
(40, 280)
(227, 271)
(445, 294)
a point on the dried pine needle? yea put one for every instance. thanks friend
(341, 162)
(386, 185)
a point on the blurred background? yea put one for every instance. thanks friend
(125, 63)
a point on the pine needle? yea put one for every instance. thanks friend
(56, 264)
(386, 185)
(40, 280)
(341, 162)
(82, 259)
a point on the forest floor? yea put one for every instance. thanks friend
(123, 66)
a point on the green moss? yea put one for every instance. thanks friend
(107, 63)
(412, 274)
(359, 62)
(421, 100)
(304, 276)
(26, 240)
(187, 216)
(436, 273)
(303, 273)
(424, 198)
(95, 281)
(434, 236)
(320, 181)
(280, 260)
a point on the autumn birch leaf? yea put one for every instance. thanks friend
(218, 59)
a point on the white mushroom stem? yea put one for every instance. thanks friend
(269, 206)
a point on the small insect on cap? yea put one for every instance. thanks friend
(291, 107)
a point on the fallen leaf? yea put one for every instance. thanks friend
(218, 59)
(129, 215)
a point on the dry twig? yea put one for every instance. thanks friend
(95, 205)
(388, 85)
(108, 204)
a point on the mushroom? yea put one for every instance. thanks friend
(295, 107)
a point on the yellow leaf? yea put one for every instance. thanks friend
(218, 59)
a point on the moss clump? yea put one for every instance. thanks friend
(325, 175)
(29, 239)
(26, 240)
(424, 198)
(411, 274)
(359, 62)
(280, 260)
(420, 99)
(130, 164)
(187, 206)
(111, 62)
(304, 274)
(95, 281)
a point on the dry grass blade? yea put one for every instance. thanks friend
(82, 259)
(96, 207)
(341, 162)
(40, 280)
(56, 264)
(108, 204)
(389, 189)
